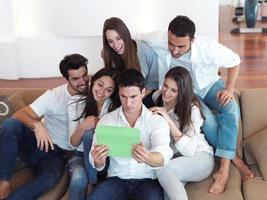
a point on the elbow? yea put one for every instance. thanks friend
(155, 159)
(161, 162)
(73, 143)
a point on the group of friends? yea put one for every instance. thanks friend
(166, 84)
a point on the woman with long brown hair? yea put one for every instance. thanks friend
(193, 157)
(122, 52)
(83, 114)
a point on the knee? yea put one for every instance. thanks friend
(11, 124)
(78, 178)
(230, 116)
(232, 109)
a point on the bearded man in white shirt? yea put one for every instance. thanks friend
(133, 177)
(38, 133)
(203, 57)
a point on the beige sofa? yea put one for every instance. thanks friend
(252, 141)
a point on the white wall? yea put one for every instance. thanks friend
(231, 2)
(37, 34)
(40, 56)
(6, 21)
(8, 54)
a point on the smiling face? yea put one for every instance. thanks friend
(78, 80)
(178, 46)
(103, 88)
(115, 41)
(169, 91)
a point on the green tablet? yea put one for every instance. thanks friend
(120, 140)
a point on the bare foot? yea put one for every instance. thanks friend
(4, 189)
(219, 184)
(216, 175)
(243, 169)
(220, 177)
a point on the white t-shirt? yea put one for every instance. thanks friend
(52, 106)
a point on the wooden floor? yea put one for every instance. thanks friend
(252, 49)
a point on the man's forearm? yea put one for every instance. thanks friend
(27, 116)
(155, 159)
(232, 74)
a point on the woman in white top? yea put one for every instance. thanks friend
(83, 114)
(193, 157)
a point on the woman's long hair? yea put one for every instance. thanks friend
(185, 98)
(129, 59)
(90, 102)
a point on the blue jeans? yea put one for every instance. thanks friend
(18, 140)
(115, 188)
(221, 129)
(87, 144)
(78, 180)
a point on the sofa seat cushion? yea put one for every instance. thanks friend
(24, 176)
(257, 145)
(255, 188)
(254, 110)
(199, 191)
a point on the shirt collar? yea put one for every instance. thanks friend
(141, 117)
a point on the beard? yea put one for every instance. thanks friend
(79, 89)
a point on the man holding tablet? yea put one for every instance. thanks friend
(133, 177)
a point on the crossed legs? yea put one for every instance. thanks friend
(221, 131)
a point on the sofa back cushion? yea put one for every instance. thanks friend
(253, 104)
(16, 101)
(19, 97)
(253, 110)
(27, 95)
